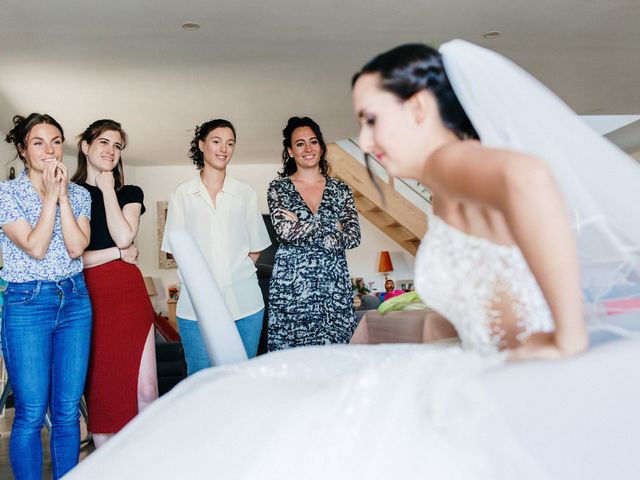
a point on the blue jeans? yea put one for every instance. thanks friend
(195, 351)
(46, 331)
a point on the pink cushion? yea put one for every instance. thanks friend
(622, 305)
(392, 294)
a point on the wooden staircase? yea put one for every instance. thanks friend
(392, 213)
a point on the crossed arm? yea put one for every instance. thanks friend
(122, 224)
(345, 234)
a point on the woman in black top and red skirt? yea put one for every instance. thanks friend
(122, 374)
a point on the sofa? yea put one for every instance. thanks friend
(170, 365)
(264, 267)
(367, 302)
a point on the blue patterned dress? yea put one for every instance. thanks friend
(310, 296)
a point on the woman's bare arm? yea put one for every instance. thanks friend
(122, 222)
(35, 241)
(94, 258)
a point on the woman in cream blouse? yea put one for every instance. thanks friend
(222, 215)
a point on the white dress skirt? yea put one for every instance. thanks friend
(401, 411)
(380, 412)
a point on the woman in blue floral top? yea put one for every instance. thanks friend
(46, 317)
(315, 218)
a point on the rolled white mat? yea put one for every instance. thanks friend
(219, 331)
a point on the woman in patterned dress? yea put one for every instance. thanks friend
(123, 316)
(315, 218)
(46, 316)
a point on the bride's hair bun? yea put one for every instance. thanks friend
(410, 68)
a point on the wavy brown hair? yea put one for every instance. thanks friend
(92, 132)
(201, 133)
(289, 166)
(23, 125)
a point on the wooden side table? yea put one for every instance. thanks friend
(413, 326)
(171, 312)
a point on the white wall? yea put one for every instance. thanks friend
(7, 152)
(159, 182)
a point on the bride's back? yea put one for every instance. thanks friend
(469, 269)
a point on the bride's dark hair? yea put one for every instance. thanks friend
(408, 69)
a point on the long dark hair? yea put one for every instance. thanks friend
(408, 69)
(201, 133)
(92, 132)
(289, 166)
(21, 128)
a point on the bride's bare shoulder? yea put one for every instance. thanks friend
(472, 152)
(469, 168)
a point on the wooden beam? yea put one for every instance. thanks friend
(348, 169)
(391, 182)
(363, 203)
(402, 232)
(399, 235)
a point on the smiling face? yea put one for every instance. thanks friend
(42, 144)
(399, 134)
(389, 286)
(217, 148)
(305, 148)
(103, 153)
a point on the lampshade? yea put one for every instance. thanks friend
(385, 265)
(151, 286)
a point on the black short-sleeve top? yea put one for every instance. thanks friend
(100, 237)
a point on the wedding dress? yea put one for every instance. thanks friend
(403, 411)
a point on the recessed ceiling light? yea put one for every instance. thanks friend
(191, 26)
(492, 34)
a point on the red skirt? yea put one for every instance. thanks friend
(122, 317)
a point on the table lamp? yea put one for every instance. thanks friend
(385, 266)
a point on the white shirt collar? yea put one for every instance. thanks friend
(230, 185)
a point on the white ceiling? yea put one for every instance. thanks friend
(257, 63)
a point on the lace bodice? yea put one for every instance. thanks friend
(471, 280)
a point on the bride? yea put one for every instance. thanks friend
(499, 260)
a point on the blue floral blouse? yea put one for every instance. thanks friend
(19, 200)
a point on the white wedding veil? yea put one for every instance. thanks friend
(600, 183)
